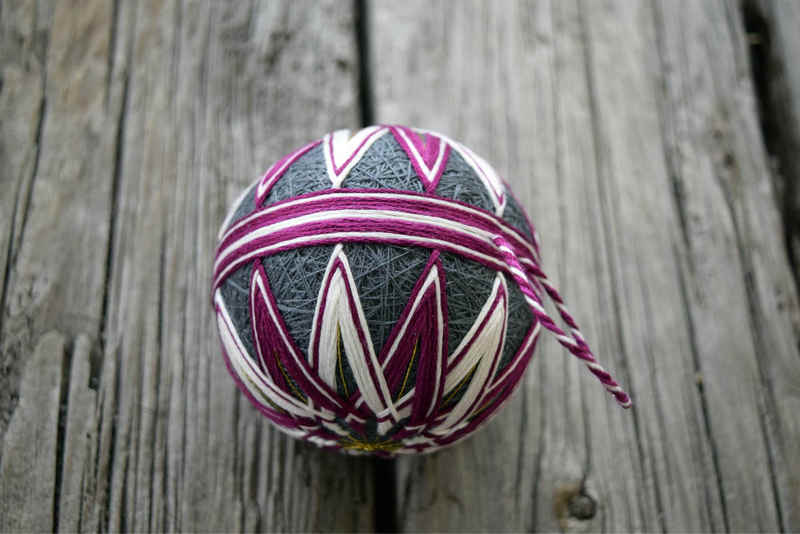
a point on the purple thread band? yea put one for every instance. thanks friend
(377, 200)
(342, 218)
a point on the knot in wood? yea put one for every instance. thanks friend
(582, 506)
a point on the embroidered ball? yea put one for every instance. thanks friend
(380, 291)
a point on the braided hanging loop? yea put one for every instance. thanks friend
(381, 292)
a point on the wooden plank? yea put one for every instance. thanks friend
(630, 135)
(225, 122)
(29, 450)
(745, 313)
(157, 115)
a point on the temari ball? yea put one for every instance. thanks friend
(380, 291)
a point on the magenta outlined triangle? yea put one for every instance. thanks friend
(278, 356)
(339, 330)
(342, 151)
(277, 169)
(428, 154)
(474, 362)
(419, 342)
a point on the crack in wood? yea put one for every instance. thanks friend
(523, 427)
(116, 178)
(728, 176)
(779, 129)
(112, 48)
(366, 104)
(766, 398)
(704, 409)
(539, 458)
(162, 289)
(111, 354)
(63, 410)
(385, 488)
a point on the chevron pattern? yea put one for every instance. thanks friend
(427, 152)
(343, 150)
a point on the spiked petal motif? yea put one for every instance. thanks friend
(342, 151)
(419, 342)
(275, 172)
(475, 361)
(277, 354)
(487, 174)
(340, 330)
(263, 392)
(428, 154)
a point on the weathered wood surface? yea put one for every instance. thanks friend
(152, 116)
(631, 132)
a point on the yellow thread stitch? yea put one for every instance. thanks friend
(264, 397)
(350, 442)
(482, 408)
(339, 358)
(410, 365)
(297, 392)
(459, 385)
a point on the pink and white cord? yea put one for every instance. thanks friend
(574, 342)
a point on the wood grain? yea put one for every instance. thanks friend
(630, 132)
(154, 115)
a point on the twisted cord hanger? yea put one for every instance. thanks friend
(574, 342)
